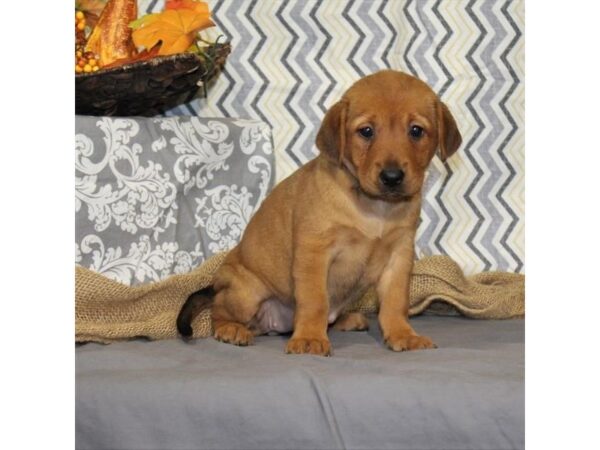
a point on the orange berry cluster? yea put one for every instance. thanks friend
(85, 62)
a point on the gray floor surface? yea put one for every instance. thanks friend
(467, 394)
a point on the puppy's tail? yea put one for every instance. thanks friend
(193, 305)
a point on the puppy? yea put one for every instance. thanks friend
(338, 225)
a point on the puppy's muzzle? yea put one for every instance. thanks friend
(391, 178)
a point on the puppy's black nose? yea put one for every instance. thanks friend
(391, 177)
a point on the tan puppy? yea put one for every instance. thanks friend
(338, 225)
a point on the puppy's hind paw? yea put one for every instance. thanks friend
(400, 343)
(351, 322)
(306, 345)
(233, 333)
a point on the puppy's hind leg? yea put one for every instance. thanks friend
(353, 321)
(236, 304)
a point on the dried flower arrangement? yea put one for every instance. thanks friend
(125, 65)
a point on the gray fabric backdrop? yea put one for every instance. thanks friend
(292, 59)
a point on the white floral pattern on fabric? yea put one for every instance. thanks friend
(158, 196)
(225, 216)
(142, 261)
(203, 148)
(138, 197)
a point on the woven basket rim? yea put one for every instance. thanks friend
(155, 61)
(147, 86)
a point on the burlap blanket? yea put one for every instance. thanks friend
(107, 311)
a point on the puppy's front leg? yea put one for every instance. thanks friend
(311, 263)
(393, 292)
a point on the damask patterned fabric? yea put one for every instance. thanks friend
(293, 59)
(157, 196)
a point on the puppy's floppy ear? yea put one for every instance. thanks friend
(331, 138)
(449, 137)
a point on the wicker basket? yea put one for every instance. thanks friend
(148, 87)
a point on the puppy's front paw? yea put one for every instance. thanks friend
(233, 333)
(402, 342)
(313, 346)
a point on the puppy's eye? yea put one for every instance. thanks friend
(366, 132)
(416, 132)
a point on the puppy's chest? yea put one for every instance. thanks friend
(359, 258)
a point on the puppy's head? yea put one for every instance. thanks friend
(385, 130)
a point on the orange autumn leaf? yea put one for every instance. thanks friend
(176, 28)
(198, 6)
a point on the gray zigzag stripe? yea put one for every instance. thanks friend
(480, 128)
(331, 80)
(255, 66)
(245, 78)
(377, 37)
(388, 48)
(425, 235)
(447, 216)
(232, 57)
(440, 46)
(490, 141)
(151, 7)
(449, 79)
(412, 40)
(426, 44)
(288, 100)
(513, 130)
(359, 41)
(310, 85)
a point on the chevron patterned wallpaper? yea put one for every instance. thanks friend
(292, 59)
